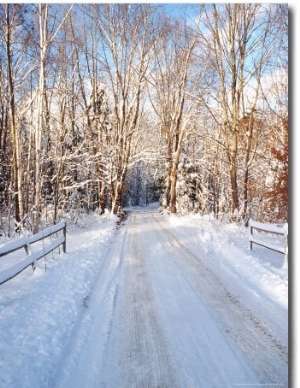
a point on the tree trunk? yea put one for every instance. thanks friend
(102, 199)
(116, 200)
(17, 170)
(249, 134)
(43, 16)
(169, 173)
(173, 179)
(234, 192)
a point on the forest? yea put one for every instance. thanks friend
(104, 106)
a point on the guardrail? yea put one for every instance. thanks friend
(269, 228)
(31, 258)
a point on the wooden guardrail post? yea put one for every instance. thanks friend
(27, 248)
(251, 234)
(65, 238)
(32, 257)
(269, 228)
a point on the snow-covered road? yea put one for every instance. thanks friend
(159, 317)
(161, 313)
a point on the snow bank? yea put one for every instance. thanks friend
(227, 248)
(38, 309)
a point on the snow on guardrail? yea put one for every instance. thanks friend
(32, 258)
(269, 228)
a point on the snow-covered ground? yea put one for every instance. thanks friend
(162, 301)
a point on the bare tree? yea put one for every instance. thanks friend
(92, 96)
(42, 112)
(238, 41)
(169, 83)
(125, 32)
(12, 18)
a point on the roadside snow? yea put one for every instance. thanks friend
(257, 275)
(40, 312)
(38, 309)
(261, 267)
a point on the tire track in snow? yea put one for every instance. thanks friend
(84, 355)
(136, 353)
(146, 359)
(118, 342)
(265, 353)
(122, 341)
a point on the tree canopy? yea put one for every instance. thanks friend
(109, 105)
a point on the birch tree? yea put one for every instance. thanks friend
(126, 37)
(42, 113)
(93, 102)
(169, 83)
(17, 67)
(11, 17)
(239, 43)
